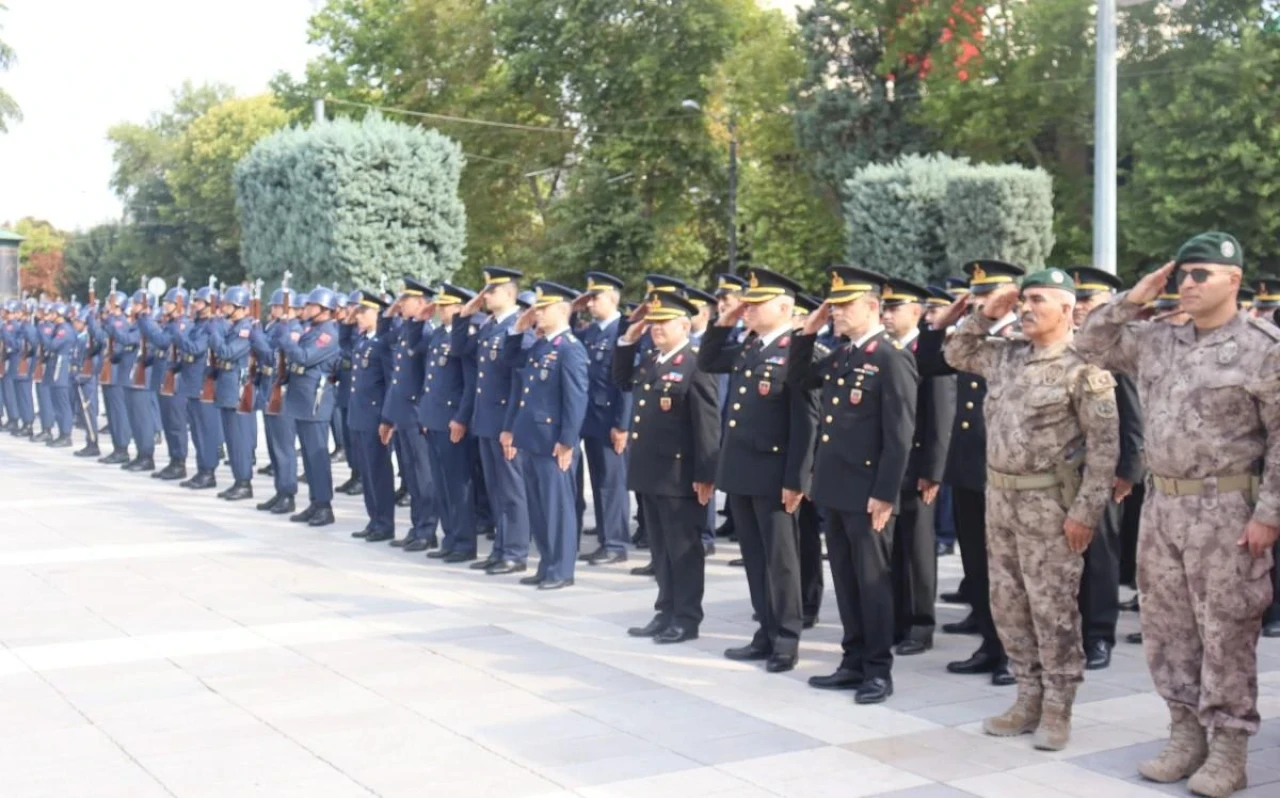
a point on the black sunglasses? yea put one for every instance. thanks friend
(1198, 275)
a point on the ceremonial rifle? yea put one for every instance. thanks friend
(248, 390)
(86, 368)
(211, 362)
(168, 386)
(140, 365)
(104, 376)
(275, 402)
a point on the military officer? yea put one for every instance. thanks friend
(729, 288)
(809, 516)
(399, 416)
(699, 322)
(765, 459)
(544, 422)
(42, 328)
(347, 336)
(197, 368)
(280, 428)
(86, 364)
(481, 344)
(915, 560)
(8, 350)
(1100, 586)
(1265, 295)
(966, 471)
(443, 422)
(1210, 393)
(868, 408)
(231, 346)
(162, 336)
(608, 421)
(1052, 449)
(125, 330)
(338, 424)
(23, 368)
(370, 369)
(313, 360)
(105, 330)
(58, 345)
(675, 443)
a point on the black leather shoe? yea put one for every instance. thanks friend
(379, 537)
(323, 517)
(909, 648)
(1131, 605)
(306, 515)
(267, 470)
(337, 455)
(460, 556)
(270, 504)
(942, 549)
(535, 579)
(63, 442)
(481, 565)
(1097, 655)
(873, 691)
(90, 450)
(400, 543)
(240, 491)
(507, 567)
(953, 597)
(172, 472)
(1134, 637)
(644, 570)
(747, 653)
(810, 622)
(738, 563)
(980, 662)
(417, 544)
(1001, 677)
(363, 533)
(284, 506)
(403, 501)
(438, 554)
(203, 480)
(141, 465)
(43, 437)
(556, 584)
(605, 557)
(708, 549)
(116, 458)
(842, 679)
(657, 625)
(780, 663)
(587, 555)
(969, 626)
(355, 488)
(490, 532)
(672, 634)
(345, 486)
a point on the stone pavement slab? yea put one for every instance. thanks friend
(159, 642)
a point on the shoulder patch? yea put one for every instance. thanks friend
(244, 332)
(1266, 327)
(871, 347)
(1106, 408)
(1100, 381)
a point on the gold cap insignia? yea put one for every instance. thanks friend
(978, 273)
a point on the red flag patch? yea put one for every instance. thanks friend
(679, 359)
(294, 336)
(323, 339)
(557, 341)
(784, 342)
(244, 332)
(871, 347)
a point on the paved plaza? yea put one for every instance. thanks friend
(159, 642)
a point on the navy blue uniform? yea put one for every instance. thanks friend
(11, 351)
(206, 424)
(549, 410)
(44, 396)
(400, 411)
(137, 399)
(162, 341)
(21, 364)
(113, 400)
(341, 439)
(371, 367)
(487, 407)
(58, 346)
(281, 430)
(446, 381)
(231, 347)
(313, 360)
(608, 408)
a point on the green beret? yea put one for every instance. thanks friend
(1049, 278)
(1211, 248)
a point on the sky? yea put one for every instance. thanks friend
(85, 65)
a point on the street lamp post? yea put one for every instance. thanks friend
(1104, 141)
(732, 124)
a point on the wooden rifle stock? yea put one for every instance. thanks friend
(275, 402)
(248, 392)
(104, 376)
(86, 368)
(209, 389)
(4, 357)
(140, 365)
(39, 374)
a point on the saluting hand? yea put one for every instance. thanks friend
(954, 312)
(818, 319)
(1001, 302)
(526, 320)
(634, 333)
(1149, 287)
(639, 313)
(473, 305)
(730, 318)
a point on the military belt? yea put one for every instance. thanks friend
(1021, 481)
(1236, 483)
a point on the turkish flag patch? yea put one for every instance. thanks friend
(557, 341)
(60, 333)
(244, 332)
(784, 342)
(294, 336)
(871, 347)
(323, 339)
(679, 359)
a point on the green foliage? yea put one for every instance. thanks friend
(999, 212)
(103, 252)
(895, 216)
(345, 201)
(39, 236)
(9, 110)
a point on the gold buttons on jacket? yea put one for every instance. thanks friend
(835, 400)
(964, 425)
(737, 406)
(968, 405)
(642, 403)
(974, 385)
(868, 464)
(637, 419)
(733, 422)
(830, 419)
(743, 389)
(747, 373)
(826, 438)
(635, 435)
(840, 381)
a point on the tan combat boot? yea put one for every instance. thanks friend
(1054, 731)
(1022, 717)
(1185, 752)
(1223, 772)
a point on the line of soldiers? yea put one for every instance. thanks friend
(853, 418)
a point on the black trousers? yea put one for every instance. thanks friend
(769, 537)
(675, 544)
(810, 521)
(915, 569)
(1273, 612)
(1131, 518)
(971, 533)
(861, 567)
(1099, 599)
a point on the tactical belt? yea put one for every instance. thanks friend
(1237, 483)
(1021, 482)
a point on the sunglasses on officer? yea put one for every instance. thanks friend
(1198, 274)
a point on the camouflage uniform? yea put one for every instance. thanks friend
(1212, 404)
(1047, 412)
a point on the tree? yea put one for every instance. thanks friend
(101, 252)
(39, 255)
(9, 110)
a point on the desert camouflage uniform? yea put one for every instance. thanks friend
(1212, 405)
(1047, 413)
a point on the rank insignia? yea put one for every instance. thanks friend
(542, 375)
(557, 341)
(855, 397)
(664, 403)
(679, 359)
(764, 386)
(784, 342)
(1227, 352)
(871, 347)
